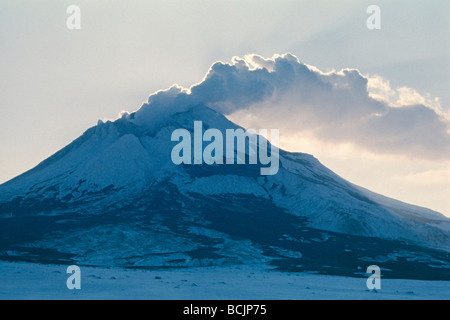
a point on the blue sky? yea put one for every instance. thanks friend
(55, 82)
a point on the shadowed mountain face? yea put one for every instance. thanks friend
(113, 197)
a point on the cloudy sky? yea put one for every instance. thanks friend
(372, 105)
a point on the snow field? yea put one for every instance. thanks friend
(255, 282)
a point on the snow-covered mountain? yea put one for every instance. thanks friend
(113, 197)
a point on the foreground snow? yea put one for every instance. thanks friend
(36, 281)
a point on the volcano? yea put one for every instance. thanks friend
(113, 197)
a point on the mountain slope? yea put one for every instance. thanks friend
(114, 197)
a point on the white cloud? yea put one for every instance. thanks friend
(338, 106)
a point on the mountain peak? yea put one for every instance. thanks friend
(120, 160)
(119, 176)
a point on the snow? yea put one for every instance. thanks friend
(227, 184)
(251, 282)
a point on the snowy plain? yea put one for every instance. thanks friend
(20, 280)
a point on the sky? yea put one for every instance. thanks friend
(55, 82)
